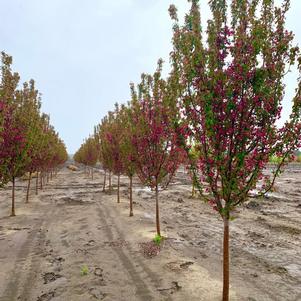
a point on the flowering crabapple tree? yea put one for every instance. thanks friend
(56, 153)
(100, 147)
(91, 154)
(8, 85)
(156, 151)
(230, 91)
(46, 152)
(12, 151)
(4, 116)
(87, 154)
(106, 154)
(192, 157)
(29, 103)
(22, 130)
(127, 149)
(113, 139)
(12, 132)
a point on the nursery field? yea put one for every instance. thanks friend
(75, 242)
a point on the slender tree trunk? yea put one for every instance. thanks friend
(13, 213)
(41, 180)
(118, 189)
(51, 175)
(131, 196)
(37, 183)
(226, 260)
(157, 211)
(104, 182)
(28, 188)
(92, 174)
(193, 190)
(110, 181)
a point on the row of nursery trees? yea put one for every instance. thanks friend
(28, 143)
(217, 111)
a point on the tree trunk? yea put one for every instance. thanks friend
(110, 182)
(51, 175)
(226, 260)
(92, 174)
(157, 211)
(131, 196)
(41, 180)
(118, 189)
(37, 183)
(28, 188)
(193, 190)
(13, 213)
(104, 182)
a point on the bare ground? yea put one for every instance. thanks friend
(72, 226)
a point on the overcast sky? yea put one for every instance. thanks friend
(84, 53)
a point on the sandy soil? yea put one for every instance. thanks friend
(72, 227)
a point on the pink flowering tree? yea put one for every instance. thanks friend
(27, 141)
(106, 154)
(88, 154)
(113, 139)
(98, 136)
(127, 149)
(229, 97)
(4, 115)
(157, 154)
(12, 130)
(29, 104)
(12, 151)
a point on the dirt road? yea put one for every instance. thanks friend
(74, 242)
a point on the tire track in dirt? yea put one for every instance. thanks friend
(28, 260)
(143, 292)
(11, 291)
(23, 256)
(35, 263)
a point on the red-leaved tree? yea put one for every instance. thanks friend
(88, 154)
(113, 139)
(230, 90)
(12, 132)
(127, 148)
(157, 154)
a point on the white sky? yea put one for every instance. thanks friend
(83, 54)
